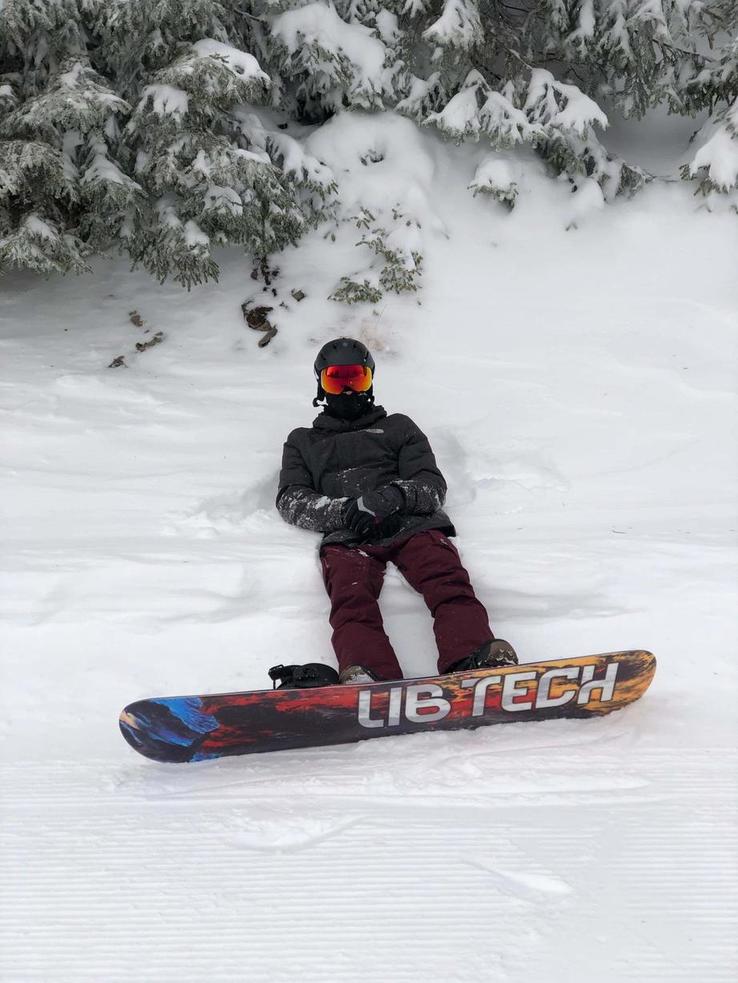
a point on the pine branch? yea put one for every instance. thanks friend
(510, 6)
(682, 51)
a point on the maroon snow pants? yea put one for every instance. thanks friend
(430, 563)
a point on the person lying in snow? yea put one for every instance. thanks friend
(369, 482)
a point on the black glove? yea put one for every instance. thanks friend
(365, 515)
(390, 526)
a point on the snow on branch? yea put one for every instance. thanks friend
(38, 243)
(291, 155)
(31, 164)
(459, 25)
(332, 57)
(561, 106)
(415, 8)
(425, 96)
(478, 109)
(165, 100)
(77, 98)
(240, 63)
(494, 177)
(716, 162)
(204, 80)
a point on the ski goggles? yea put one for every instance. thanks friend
(335, 378)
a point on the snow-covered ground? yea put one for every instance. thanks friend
(579, 390)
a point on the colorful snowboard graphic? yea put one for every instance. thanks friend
(196, 728)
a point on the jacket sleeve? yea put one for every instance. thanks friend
(420, 480)
(297, 500)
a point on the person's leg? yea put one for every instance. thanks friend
(353, 578)
(430, 563)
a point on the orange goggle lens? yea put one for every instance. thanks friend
(336, 378)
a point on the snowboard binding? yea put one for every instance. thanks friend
(497, 653)
(303, 677)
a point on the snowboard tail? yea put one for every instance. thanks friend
(197, 728)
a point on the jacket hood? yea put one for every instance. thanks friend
(327, 422)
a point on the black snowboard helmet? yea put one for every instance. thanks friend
(342, 351)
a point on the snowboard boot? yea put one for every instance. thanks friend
(495, 654)
(303, 677)
(356, 674)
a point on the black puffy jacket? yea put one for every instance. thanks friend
(333, 460)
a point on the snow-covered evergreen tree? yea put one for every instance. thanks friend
(175, 162)
(160, 126)
(205, 180)
(63, 190)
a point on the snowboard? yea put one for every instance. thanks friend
(197, 728)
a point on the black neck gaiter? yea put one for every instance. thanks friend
(348, 406)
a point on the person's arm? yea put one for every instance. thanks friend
(422, 484)
(297, 500)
